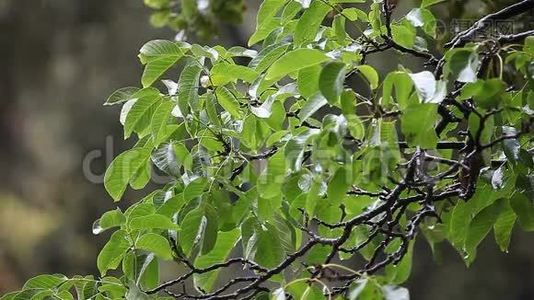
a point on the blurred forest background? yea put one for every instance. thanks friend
(59, 60)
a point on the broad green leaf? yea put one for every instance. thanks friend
(294, 149)
(141, 112)
(265, 20)
(267, 57)
(398, 274)
(331, 81)
(313, 197)
(268, 247)
(309, 23)
(110, 219)
(294, 61)
(188, 86)
(404, 34)
(417, 125)
(354, 14)
(479, 227)
(459, 223)
(229, 102)
(462, 63)
(155, 221)
(503, 227)
(403, 85)
(159, 56)
(142, 269)
(308, 80)
(45, 282)
(156, 244)
(364, 289)
(158, 125)
(273, 176)
(123, 168)
(338, 186)
(195, 189)
(121, 95)
(224, 73)
(111, 255)
(311, 106)
(524, 208)
(370, 74)
(421, 17)
(192, 230)
(226, 241)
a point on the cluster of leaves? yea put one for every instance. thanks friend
(305, 168)
(199, 17)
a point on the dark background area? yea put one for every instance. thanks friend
(59, 60)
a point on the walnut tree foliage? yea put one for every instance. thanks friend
(199, 17)
(296, 170)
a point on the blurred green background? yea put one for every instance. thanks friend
(59, 60)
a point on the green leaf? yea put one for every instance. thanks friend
(404, 34)
(265, 20)
(294, 149)
(142, 269)
(195, 189)
(188, 85)
(224, 73)
(354, 14)
(294, 61)
(123, 168)
(463, 63)
(110, 219)
(421, 17)
(158, 125)
(268, 250)
(459, 223)
(229, 102)
(267, 57)
(331, 81)
(398, 274)
(365, 289)
(524, 209)
(417, 125)
(192, 230)
(338, 186)
(273, 176)
(370, 74)
(310, 21)
(311, 106)
(111, 255)
(308, 80)
(122, 95)
(155, 221)
(479, 227)
(313, 197)
(403, 85)
(226, 241)
(140, 115)
(503, 226)
(156, 244)
(44, 282)
(159, 56)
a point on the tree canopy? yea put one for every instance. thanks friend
(297, 170)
